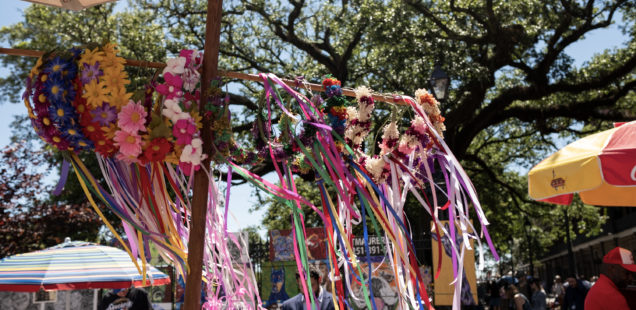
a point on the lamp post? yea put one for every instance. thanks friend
(439, 82)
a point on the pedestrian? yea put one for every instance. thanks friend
(574, 294)
(516, 300)
(125, 299)
(558, 290)
(493, 290)
(538, 299)
(616, 273)
(322, 298)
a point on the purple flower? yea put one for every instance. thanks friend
(90, 73)
(105, 114)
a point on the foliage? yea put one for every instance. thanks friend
(515, 90)
(27, 220)
(279, 215)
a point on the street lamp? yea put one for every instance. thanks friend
(439, 82)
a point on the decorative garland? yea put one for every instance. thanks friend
(78, 101)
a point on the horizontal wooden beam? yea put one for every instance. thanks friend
(388, 98)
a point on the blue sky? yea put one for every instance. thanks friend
(241, 198)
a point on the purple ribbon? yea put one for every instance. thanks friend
(63, 177)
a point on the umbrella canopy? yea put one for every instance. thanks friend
(600, 167)
(74, 5)
(74, 265)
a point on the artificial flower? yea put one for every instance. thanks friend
(56, 66)
(54, 88)
(114, 78)
(157, 149)
(90, 73)
(132, 117)
(183, 130)
(378, 169)
(95, 94)
(61, 113)
(191, 78)
(105, 114)
(110, 48)
(175, 65)
(129, 143)
(390, 138)
(72, 133)
(127, 158)
(171, 110)
(104, 147)
(188, 168)
(172, 86)
(92, 56)
(111, 60)
(119, 97)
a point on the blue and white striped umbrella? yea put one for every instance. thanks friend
(74, 265)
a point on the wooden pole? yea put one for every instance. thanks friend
(201, 182)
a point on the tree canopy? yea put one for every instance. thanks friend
(514, 87)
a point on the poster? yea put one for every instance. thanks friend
(443, 289)
(282, 244)
(383, 284)
(279, 280)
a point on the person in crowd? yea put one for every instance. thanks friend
(322, 298)
(616, 273)
(516, 300)
(538, 299)
(574, 294)
(593, 280)
(125, 299)
(493, 291)
(558, 290)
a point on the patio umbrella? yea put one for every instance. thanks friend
(75, 5)
(74, 265)
(600, 167)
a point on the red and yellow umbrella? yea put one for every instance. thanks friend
(600, 167)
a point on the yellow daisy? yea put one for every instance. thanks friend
(112, 61)
(90, 57)
(95, 94)
(110, 48)
(114, 78)
(109, 132)
(119, 97)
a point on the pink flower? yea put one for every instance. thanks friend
(187, 54)
(183, 130)
(191, 78)
(172, 86)
(186, 168)
(132, 117)
(129, 143)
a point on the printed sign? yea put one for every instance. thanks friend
(376, 246)
(443, 288)
(282, 244)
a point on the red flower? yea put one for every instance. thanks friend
(330, 81)
(157, 149)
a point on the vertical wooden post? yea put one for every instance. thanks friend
(201, 182)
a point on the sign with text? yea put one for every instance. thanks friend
(376, 246)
